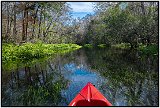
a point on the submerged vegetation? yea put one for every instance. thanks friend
(49, 94)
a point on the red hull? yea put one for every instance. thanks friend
(89, 96)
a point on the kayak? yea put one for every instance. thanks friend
(89, 96)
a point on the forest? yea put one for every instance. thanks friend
(35, 31)
(114, 23)
(50, 22)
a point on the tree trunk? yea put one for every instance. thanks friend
(39, 31)
(25, 25)
(142, 7)
(8, 20)
(14, 23)
(46, 32)
(43, 32)
(34, 22)
(148, 40)
(26, 22)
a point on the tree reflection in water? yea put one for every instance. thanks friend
(34, 86)
(132, 78)
(125, 77)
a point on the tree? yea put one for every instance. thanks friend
(32, 21)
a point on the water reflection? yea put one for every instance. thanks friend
(125, 77)
(79, 76)
(129, 76)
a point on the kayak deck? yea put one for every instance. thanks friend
(91, 103)
(89, 96)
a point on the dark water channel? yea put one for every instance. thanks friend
(124, 77)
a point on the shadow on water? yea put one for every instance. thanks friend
(125, 77)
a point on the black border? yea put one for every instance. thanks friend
(77, 1)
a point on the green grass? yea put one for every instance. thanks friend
(11, 54)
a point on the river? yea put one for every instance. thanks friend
(124, 77)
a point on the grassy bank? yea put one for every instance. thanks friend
(27, 52)
(122, 45)
(151, 49)
(91, 45)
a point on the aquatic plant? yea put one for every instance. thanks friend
(102, 45)
(88, 46)
(122, 45)
(13, 54)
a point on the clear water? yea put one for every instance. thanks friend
(124, 77)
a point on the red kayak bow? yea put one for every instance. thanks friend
(89, 96)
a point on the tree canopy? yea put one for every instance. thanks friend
(51, 22)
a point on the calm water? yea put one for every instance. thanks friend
(124, 77)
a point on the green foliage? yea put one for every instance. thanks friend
(102, 45)
(122, 45)
(12, 54)
(146, 50)
(88, 45)
(149, 50)
(114, 25)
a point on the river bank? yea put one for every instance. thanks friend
(13, 54)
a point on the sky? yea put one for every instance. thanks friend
(81, 9)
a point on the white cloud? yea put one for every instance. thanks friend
(81, 6)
